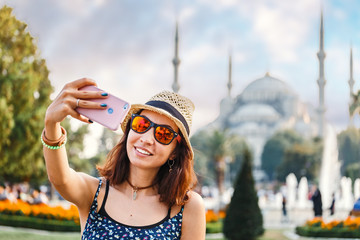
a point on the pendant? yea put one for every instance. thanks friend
(134, 194)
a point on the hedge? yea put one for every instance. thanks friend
(214, 227)
(39, 223)
(312, 231)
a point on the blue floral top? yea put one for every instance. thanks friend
(100, 225)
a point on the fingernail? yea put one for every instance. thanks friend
(90, 121)
(103, 105)
(104, 94)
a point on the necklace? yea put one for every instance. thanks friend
(135, 189)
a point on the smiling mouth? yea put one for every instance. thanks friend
(142, 151)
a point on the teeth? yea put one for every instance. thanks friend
(142, 151)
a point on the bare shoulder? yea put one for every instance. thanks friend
(194, 223)
(195, 202)
(91, 184)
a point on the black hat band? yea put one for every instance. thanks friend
(170, 109)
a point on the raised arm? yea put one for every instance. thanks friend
(74, 187)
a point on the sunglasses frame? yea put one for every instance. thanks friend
(154, 125)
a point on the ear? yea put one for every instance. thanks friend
(173, 155)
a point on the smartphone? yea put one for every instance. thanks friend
(112, 116)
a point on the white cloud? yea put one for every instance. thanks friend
(283, 31)
(202, 53)
(339, 14)
(186, 14)
(81, 8)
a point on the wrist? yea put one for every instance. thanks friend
(54, 144)
(52, 130)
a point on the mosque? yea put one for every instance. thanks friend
(268, 105)
(265, 106)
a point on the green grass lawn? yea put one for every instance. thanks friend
(29, 235)
(11, 234)
(270, 234)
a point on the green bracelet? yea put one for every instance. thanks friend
(52, 147)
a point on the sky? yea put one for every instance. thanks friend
(127, 47)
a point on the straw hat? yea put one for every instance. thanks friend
(174, 106)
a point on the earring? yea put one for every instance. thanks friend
(170, 163)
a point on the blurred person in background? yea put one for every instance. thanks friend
(10, 195)
(2, 193)
(317, 202)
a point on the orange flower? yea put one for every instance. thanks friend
(350, 223)
(41, 210)
(211, 216)
(222, 214)
(330, 225)
(316, 220)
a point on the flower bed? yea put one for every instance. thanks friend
(45, 217)
(348, 228)
(214, 221)
(39, 216)
(212, 216)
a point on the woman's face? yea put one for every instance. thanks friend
(142, 148)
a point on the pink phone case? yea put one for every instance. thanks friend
(112, 116)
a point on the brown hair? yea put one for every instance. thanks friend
(172, 186)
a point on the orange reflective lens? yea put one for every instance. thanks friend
(162, 133)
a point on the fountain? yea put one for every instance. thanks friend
(357, 188)
(330, 167)
(291, 185)
(347, 200)
(303, 191)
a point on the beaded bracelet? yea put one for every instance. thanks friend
(54, 144)
(53, 147)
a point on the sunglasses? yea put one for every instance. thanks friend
(162, 133)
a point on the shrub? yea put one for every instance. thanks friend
(214, 227)
(243, 217)
(38, 223)
(349, 228)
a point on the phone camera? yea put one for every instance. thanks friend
(126, 106)
(110, 110)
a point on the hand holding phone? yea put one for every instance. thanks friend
(112, 116)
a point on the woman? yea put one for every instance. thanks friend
(145, 188)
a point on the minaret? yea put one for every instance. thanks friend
(229, 85)
(227, 103)
(321, 81)
(351, 84)
(351, 80)
(176, 62)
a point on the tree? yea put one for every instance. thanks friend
(24, 96)
(75, 146)
(243, 217)
(274, 150)
(354, 107)
(353, 171)
(348, 142)
(211, 150)
(108, 140)
(301, 159)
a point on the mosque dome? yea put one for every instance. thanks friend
(255, 112)
(266, 88)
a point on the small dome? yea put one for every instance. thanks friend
(255, 112)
